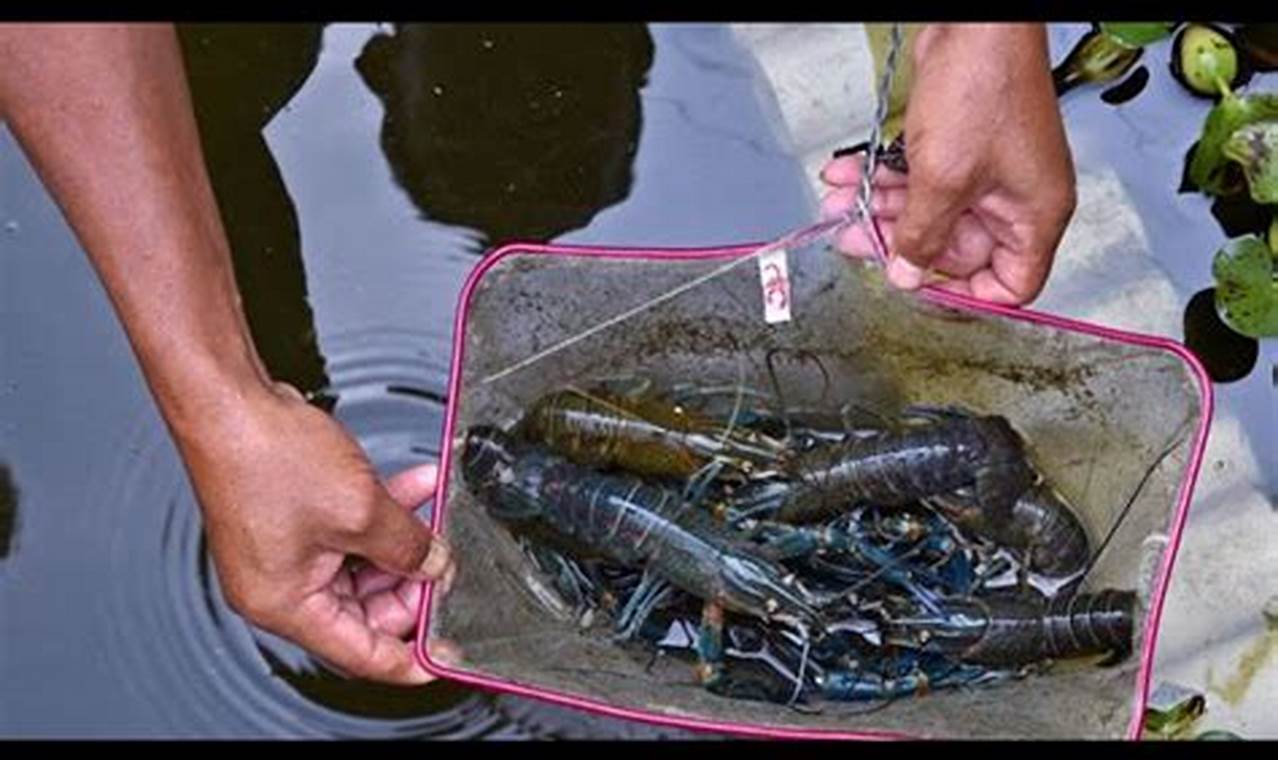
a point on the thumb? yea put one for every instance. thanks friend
(397, 541)
(926, 225)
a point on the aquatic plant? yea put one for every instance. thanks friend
(1210, 169)
(1138, 34)
(1247, 287)
(1107, 53)
(1254, 147)
(1205, 61)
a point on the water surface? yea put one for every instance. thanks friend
(361, 170)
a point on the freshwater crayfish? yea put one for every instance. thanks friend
(800, 562)
(642, 435)
(952, 450)
(637, 525)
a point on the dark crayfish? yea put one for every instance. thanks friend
(1024, 629)
(765, 666)
(1041, 526)
(901, 676)
(639, 525)
(896, 467)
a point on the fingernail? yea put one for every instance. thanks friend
(437, 560)
(904, 274)
(446, 654)
(427, 474)
(446, 583)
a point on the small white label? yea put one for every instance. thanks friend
(774, 277)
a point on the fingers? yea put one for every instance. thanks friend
(396, 540)
(930, 227)
(445, 652)
(969, 249)
(1013, 277)
(394, 611)
(846, 171)
(927, 223)
(338, 634)
(373, 580)
(343, 637)
(1022, 270)
(391, 603)
(414, 486)
(446, 583)
(986, 285)
(855, 240)
(390, 536)
(884, 202)
(837, 202)
(904, 274)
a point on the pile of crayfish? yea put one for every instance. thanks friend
(794, 555)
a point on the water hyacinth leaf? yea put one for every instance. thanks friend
(1096, 59)
(1128, 88)
(1172, 710)
(1138, 34)
(1177, 721)
(1205, 62)
(1246, 290)
(1255, 148)
(1209, 167)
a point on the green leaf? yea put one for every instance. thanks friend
(1273, 236)
(1204, 60)
(1255, 147)
(1175, 722)
(1246, 289)
(1138, 34)
(1208, 169)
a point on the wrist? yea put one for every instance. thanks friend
(208, 397)
(983, 39)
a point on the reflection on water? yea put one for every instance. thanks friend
(349, 286)
(520, 131)
(1225, 354)
(516, 131)
(1128, 88)
(1239, 215)
(240, 76)
(170, 633)
(8, 510)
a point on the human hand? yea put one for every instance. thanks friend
(289, 501)
(990, 185)
(104, 113)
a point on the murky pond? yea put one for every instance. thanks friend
(361, 170)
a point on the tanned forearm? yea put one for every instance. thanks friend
(288, 497)
(105, 116)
